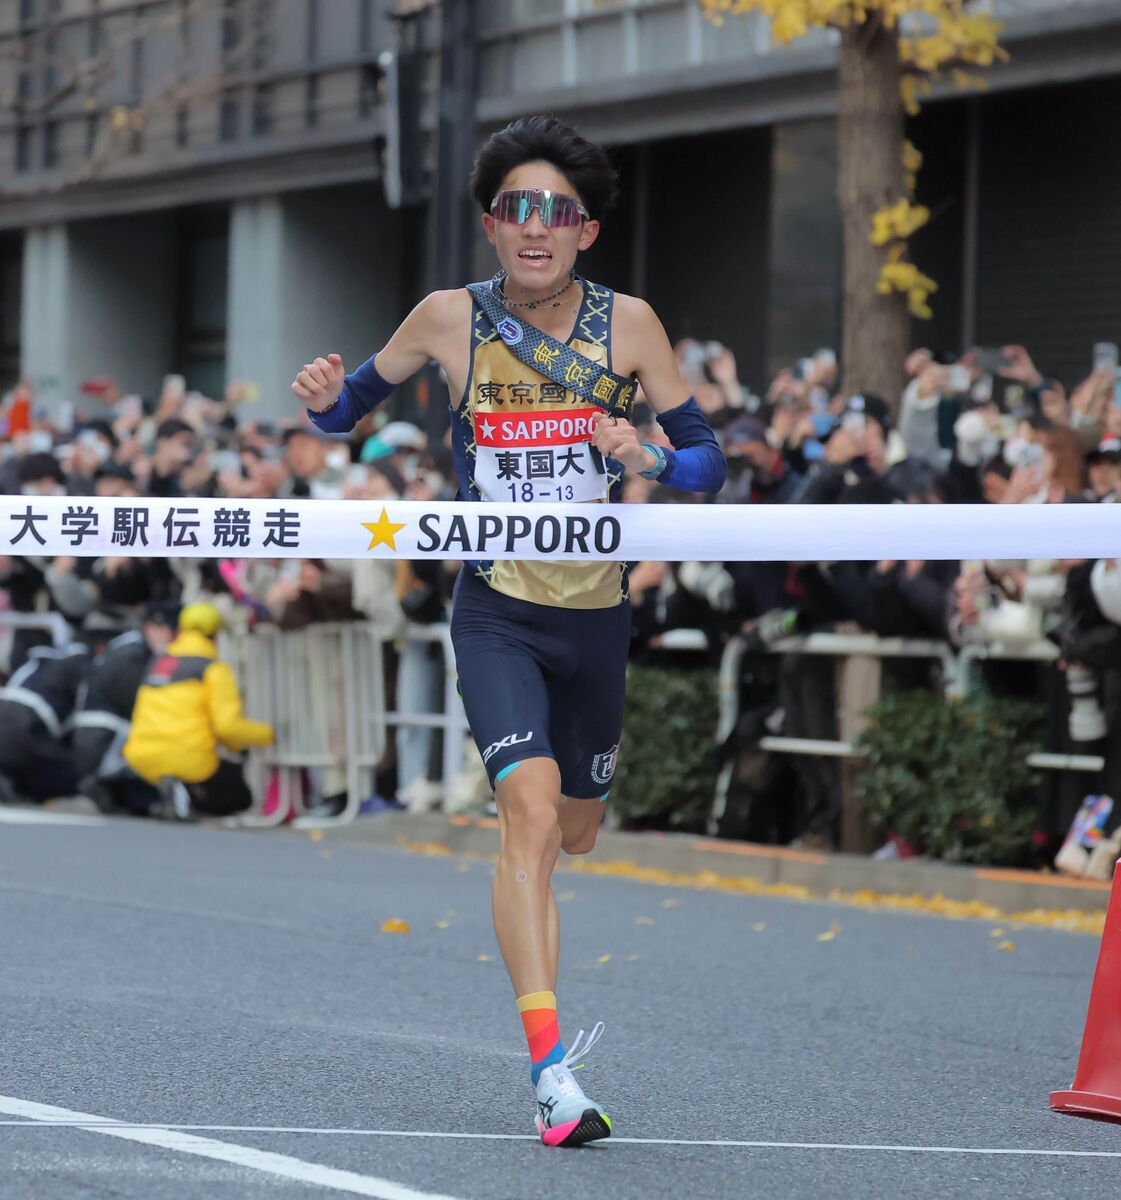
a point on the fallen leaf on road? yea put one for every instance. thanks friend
(644, 920)
(670, 903)
(996, 933)
(443, 924)
(395, 925)
(604, 958)
(632, 958)
(1007, 947)
(316, 835)
(564, 897)
(759, 926)
(485, 958)
(830, 933)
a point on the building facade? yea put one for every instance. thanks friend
(197, 186)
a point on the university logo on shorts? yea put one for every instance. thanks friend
(603, 765)
(510, 331)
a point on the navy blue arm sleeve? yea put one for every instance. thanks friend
(363, 391)
(696, 462)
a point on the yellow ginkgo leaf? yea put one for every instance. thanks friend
(443, 924)
(1007, 946)
(315, 835)
(484, 958)
(395, 925)
(604, 958)
(759, 926)
(996, 933)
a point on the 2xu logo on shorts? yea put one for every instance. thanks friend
(511, 739)
(547, 535)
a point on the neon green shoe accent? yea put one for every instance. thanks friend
(606, 1119)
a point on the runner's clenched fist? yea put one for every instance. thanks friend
(619, 438)
(319, 384)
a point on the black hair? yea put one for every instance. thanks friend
(40, 466)
(545, 139)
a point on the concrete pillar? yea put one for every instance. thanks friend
(44, 312)
(310, 273)
(98, 300)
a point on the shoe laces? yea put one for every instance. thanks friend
(580, 1047)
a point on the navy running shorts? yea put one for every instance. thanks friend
(542, 682)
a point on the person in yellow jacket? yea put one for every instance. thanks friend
(188, 707)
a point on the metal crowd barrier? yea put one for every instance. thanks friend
(323, 690)
(956, 667)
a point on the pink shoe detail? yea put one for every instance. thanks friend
(556, 1135)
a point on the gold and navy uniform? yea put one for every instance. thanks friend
(541, 647)
(518, 437)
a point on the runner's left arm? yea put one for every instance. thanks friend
(695, 463)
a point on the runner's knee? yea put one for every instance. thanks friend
(580, 841)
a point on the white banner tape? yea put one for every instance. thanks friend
(190, 528)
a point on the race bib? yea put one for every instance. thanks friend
(538, 456)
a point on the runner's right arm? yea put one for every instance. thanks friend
(336, 402)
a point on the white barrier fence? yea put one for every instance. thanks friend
(323, 689)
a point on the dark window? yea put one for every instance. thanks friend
(11, 265)
(182, 125)
(366, 26)
(50, 144)
(231, 25)
(229, 117)
(23, 147)
(368, 92)
(93, 128)
(262, 109)
(136, 70)
(311, 35)
(311, 102)
(28, 11)
(202, 251)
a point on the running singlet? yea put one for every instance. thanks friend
(517, 437)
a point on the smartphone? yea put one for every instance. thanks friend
(1105, 356)
(174, 385)
(957, 378)
(991, 359)
(853, 422)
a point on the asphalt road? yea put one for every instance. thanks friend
(240, 984)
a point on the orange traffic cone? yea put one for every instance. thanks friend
(1096, 1090)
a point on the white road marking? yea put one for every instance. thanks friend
(167, 1138)
(44, 816)
(99, 1123)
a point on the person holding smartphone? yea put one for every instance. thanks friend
(541, 646)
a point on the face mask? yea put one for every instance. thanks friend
(338, 459)
(43, 489)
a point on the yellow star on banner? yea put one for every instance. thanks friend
(383, 530)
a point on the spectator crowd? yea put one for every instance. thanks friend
(984, 427)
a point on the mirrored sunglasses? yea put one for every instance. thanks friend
(557, 210)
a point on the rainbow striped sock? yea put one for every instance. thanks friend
(539, 1019)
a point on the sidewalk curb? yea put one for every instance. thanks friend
(1010, 890)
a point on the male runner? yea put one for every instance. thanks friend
(541, 647)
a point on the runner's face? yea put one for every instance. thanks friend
(540, 274)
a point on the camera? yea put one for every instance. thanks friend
(1087, 721)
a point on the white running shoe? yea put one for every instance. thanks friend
(565, 1115)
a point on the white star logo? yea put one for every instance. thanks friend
(486, 429)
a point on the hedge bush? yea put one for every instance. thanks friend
(950, 775)
(667, 759)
